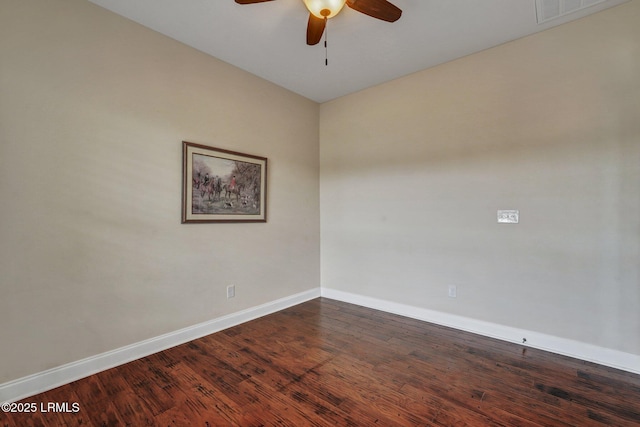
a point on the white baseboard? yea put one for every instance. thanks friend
(579, 350)
(55, 377)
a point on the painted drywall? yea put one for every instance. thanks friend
(93, 257)
(413, 172)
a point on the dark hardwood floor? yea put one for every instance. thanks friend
(327, 363)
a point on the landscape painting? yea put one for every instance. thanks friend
(222, 185)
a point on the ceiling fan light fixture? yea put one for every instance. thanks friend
(324, 8)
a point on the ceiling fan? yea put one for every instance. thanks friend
(321, 10)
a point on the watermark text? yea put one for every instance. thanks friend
(41, 407)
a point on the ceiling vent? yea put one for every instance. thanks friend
(547, 10)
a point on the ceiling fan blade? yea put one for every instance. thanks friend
(315, 28)
(380, 9)
(250, 1)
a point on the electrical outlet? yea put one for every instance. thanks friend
(453, 291)
(508, 217)
(231, 291)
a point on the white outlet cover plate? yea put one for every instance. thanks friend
(508, 216)
(453, 291)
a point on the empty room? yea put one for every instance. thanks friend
(256, 213)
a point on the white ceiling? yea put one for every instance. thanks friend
(268, 39)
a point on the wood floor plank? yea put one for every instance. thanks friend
(326, 363)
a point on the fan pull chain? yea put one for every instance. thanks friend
(326, 50)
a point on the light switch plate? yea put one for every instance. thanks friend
(508, 216)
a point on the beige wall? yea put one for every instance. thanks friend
(413, 172)
(93, 109)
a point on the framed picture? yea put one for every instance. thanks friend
(222, 186)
